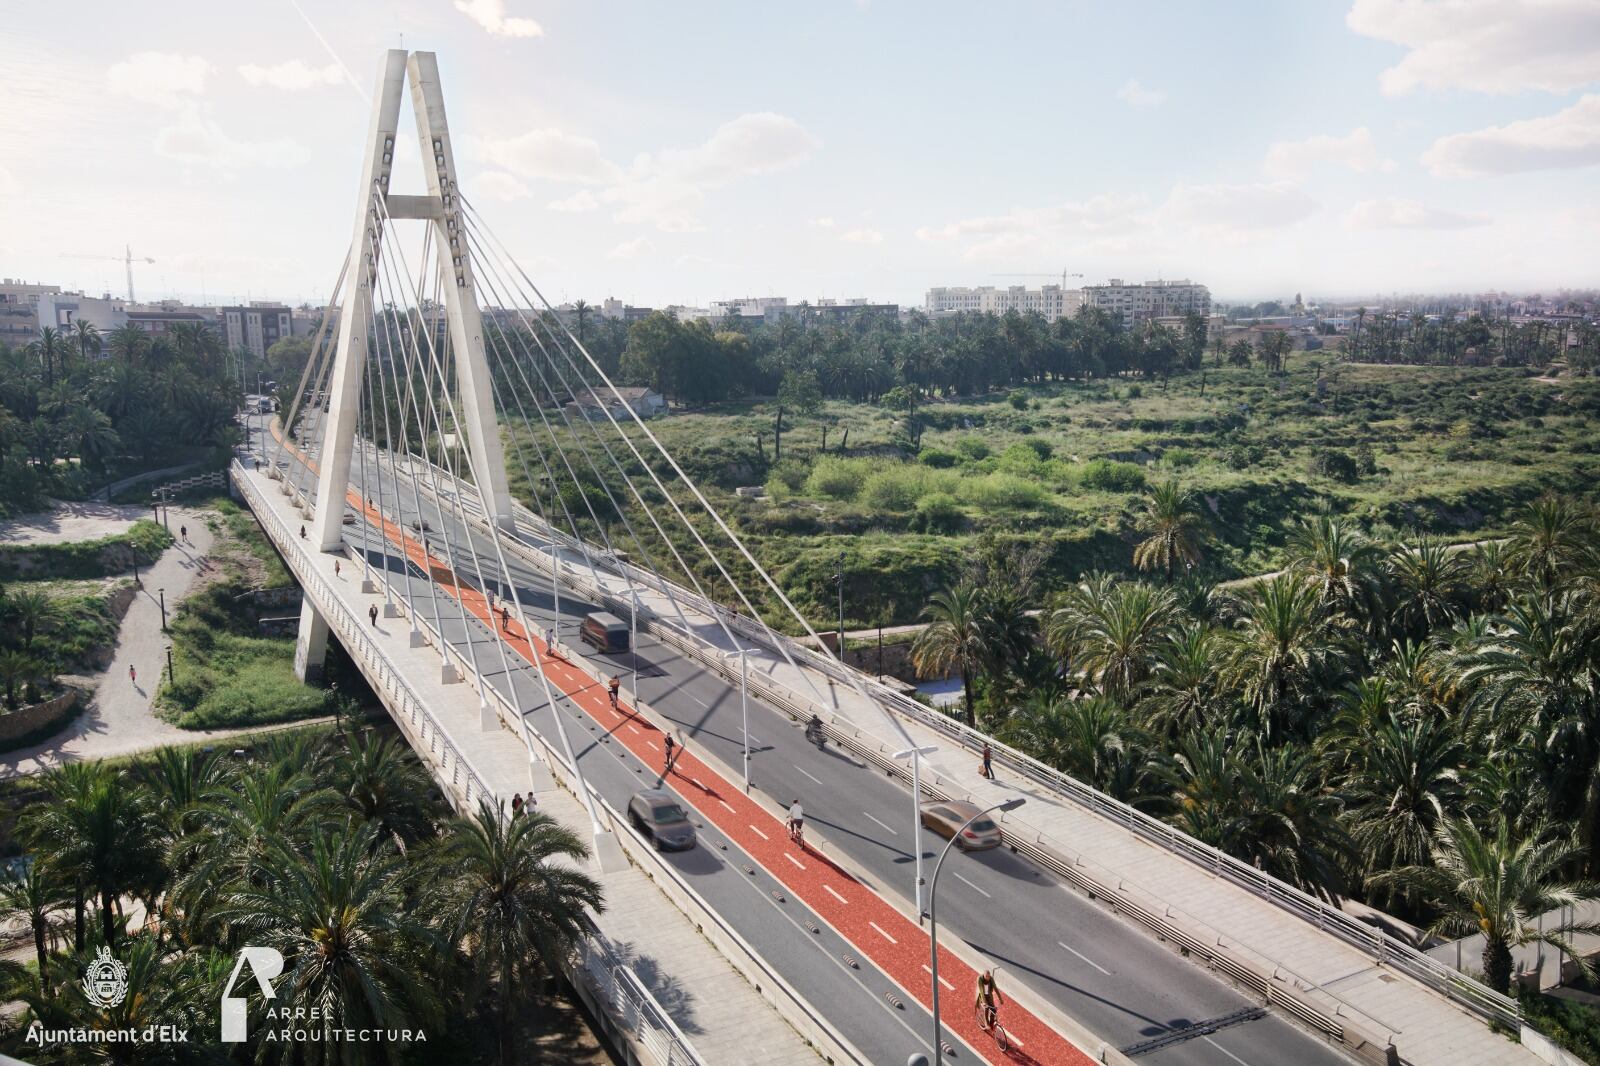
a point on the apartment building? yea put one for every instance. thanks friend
(1153, 299)
(256, 326)
(1051, 301)
(19, 311)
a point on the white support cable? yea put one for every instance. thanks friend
(715, 515)
(672, 501)
(493, 271)
(384, 354)
(316, 429)
(540, 664)
(311, 358)
(422, 433)
(372, 370)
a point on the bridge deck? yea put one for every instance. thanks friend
(722, 1015)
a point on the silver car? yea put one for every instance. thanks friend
(657, 815)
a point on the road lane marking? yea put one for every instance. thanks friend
(881, 933)
(1086, 959)
(759, 833)
(880, 821)
(725, 805)
(794, 860)
(632, 728)
(698, 784)
(652, 744)
(974, 887)
(1225, 1051)
(929, 971)
(813, 777)
(829, 890)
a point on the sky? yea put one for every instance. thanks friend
(683, 152)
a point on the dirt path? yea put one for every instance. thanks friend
(68, 522)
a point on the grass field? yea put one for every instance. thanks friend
(1403, 449)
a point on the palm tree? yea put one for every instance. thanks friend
(1498, 886)
(1175, 530)
(129, 342)
(49, 347)
(1183, 689)
(337, 909)
(1551, 537)
(91, 435)
(1341, 562)
(1289, 824)
(1407, 776)
(515, 908)
(33, 893)
(1428, 584)
(1113, 631)
(16, 669)
(87, 334)
(953, 638)
(580, 313)
(1284, 649)
(384, 785)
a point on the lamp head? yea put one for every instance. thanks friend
(1012, 804)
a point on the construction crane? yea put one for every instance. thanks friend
(1064, 276)
(127, 259)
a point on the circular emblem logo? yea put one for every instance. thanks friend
(105, 981)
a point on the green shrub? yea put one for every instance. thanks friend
(1003, 492)
(840, 479)
(786, 478)
(1179, 458)
(939, 512)
(1104, 475)
(1018, 399)
(894, 489)
(938, 458)
(1335, 464)
(1042, 448)
(1021, 460)
(973, 448)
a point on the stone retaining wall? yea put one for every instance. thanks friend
(25, 721)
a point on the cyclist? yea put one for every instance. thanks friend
(797, 822)
(612, 688)
(988, 999)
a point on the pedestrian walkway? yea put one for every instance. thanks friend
(120, 718)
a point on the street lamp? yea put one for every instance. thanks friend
(633, 638)
(744, 710)
(137, 583)
(162, 592)
(839, 577)
(172, 678)
(915, 755)
(933, 921)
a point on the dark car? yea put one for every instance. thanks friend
(946, 818)
(657, 815)
(607, 632)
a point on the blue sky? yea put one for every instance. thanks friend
(683, 152)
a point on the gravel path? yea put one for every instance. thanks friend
(68, 522)
(119, 719)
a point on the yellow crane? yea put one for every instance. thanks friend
(127, 259)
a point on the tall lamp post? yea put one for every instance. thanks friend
(633, 638)
(744, 710)
(915, 755)
(933, 921)
(162, 592)
(839, 577)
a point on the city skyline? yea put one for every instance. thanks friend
(664, 159)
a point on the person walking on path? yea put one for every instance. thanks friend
(667, 769)
(505, 618)
(133, 675)
(302, 532)
(516, 805)
(183, 531)
(613, 687)
(336, 568)
(372, 613)
(988, 767)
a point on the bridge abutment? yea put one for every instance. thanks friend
(311, 645)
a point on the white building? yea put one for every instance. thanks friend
(1153, 299)
(1051, 301)
(62, 309)
(256, 327)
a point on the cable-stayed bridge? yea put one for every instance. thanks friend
(440, 376)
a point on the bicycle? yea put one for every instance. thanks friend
(989, 1022)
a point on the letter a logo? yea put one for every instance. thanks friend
(265, 964)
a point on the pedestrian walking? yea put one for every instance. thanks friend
(183, 531)
(505, 618)
(614, 686)
(302, 532)
(336, 568)
(133, 675)
(516, 805)
(670, 744)
(372, 613)
(988, 768)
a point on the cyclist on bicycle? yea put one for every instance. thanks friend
(613, 686)
(797, 822)
(988, 999)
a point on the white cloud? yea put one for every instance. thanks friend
(197, 140)
(1356, 151)
(1238, 208)
(632, 249)
(1566, 139)
(159, 78)
(292, 76)
(1394, 213)
(1495, 46)
(491, 15)
(582, 200)
(825, 222)
(498, 185)
(1136, 95)
(862, 236)
(549, 153)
